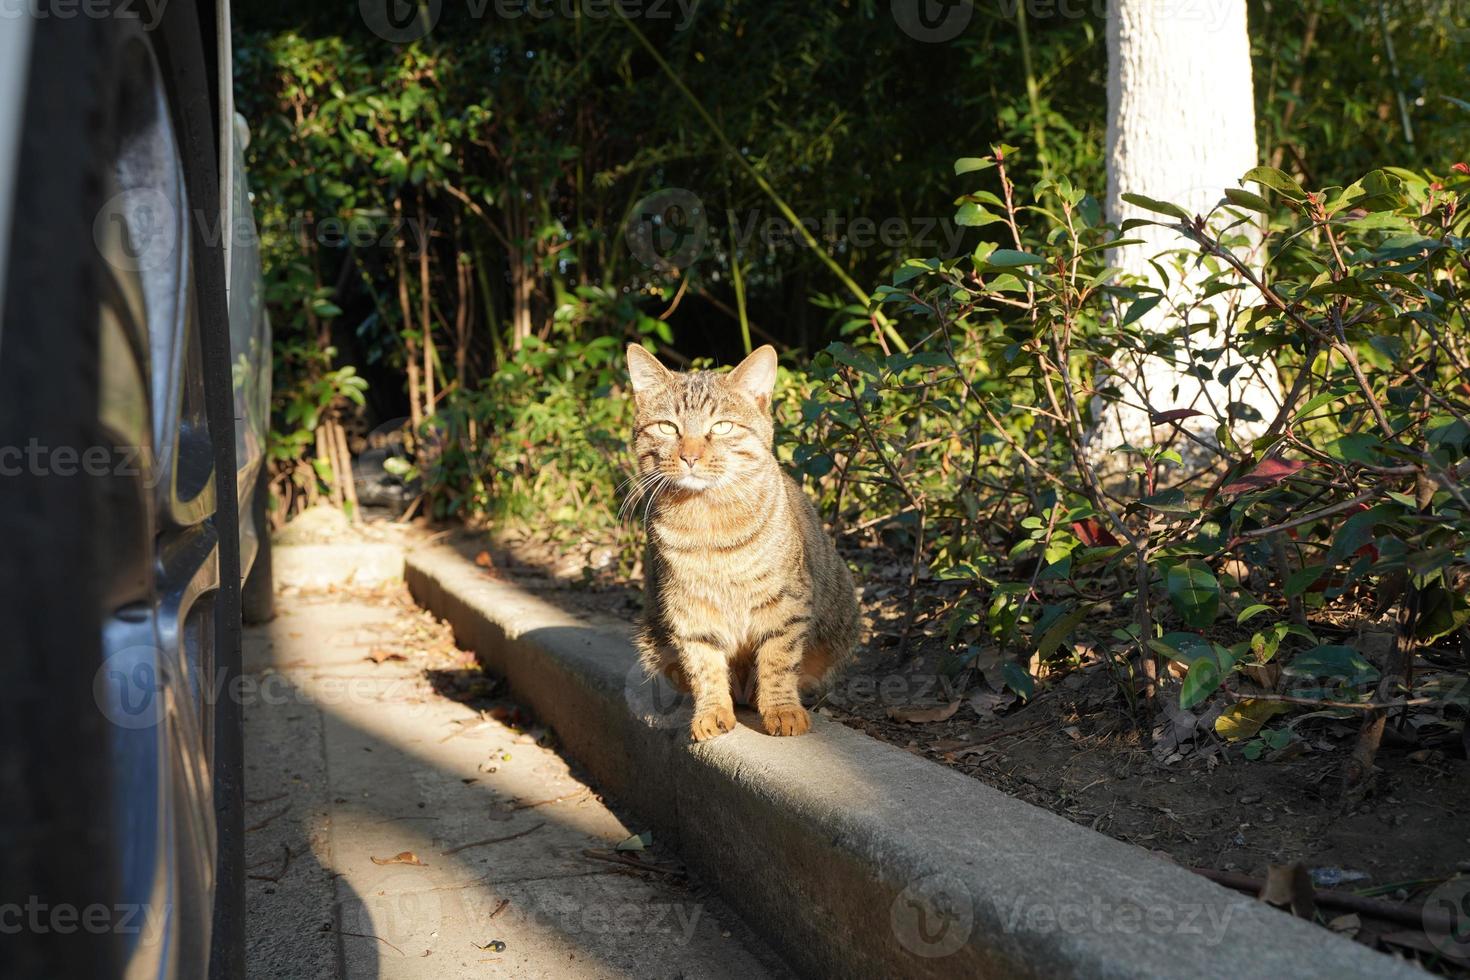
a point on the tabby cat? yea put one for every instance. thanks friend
(741, 581)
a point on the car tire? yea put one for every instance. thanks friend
(258, 602)
(85, 556)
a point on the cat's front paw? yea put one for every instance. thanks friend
(712, 723)
(788, 719)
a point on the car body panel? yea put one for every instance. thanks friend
(250, 348)
(250, 334)
(15, 46)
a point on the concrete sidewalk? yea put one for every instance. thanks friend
(356, 768)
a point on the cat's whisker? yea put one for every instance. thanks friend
(663, 485)
(641, 482)
(647, 486)
(631, 486)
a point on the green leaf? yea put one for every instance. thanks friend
(1158, 207)
(855, 359)
(1058, 631)
(1007, 258)
(1356, 447)
(1251, 612)
(968, 165)
(1194, 592)
(1357, 531)
(1203, 679)
(1278, 181)
(1443, 613)
(1380, 220)
(397, 466)
(1303, 579)
(1245, 199)
(1018, 679)
(1140, 308)
(1333, 661)
(1169, 501)
(908, 271)
(972, 215)
(1319, 400)
(1185, 648)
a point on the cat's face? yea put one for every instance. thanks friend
(702, 431)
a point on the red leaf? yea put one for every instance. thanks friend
(1092, 534)
(1268, 473)
(1173, 415)
(1461, 168)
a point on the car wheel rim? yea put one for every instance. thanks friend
(161, 553)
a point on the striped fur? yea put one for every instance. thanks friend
(745, 597)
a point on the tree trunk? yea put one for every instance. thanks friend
(1181, 128)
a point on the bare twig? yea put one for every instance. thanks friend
(493, 840)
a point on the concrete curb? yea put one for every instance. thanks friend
(854, 858)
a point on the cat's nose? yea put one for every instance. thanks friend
(690, 451)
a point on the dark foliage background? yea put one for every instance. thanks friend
(452, 236)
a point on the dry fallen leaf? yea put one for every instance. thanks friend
(1244, 719)
(988, 704)
(378, 656)
(949, 744)
(1290, 886)
(966, 751)
(484, 560)
(402, 857)
(1268, 676)
(1175, 736)
(1349, 924)
(917, 716)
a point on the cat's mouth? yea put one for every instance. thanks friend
(694, 483)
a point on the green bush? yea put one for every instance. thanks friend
(973, 442)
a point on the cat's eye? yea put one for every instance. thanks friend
(667, 428)
(722, 428)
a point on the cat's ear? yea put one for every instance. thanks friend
(645, 371)
(756, 375)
